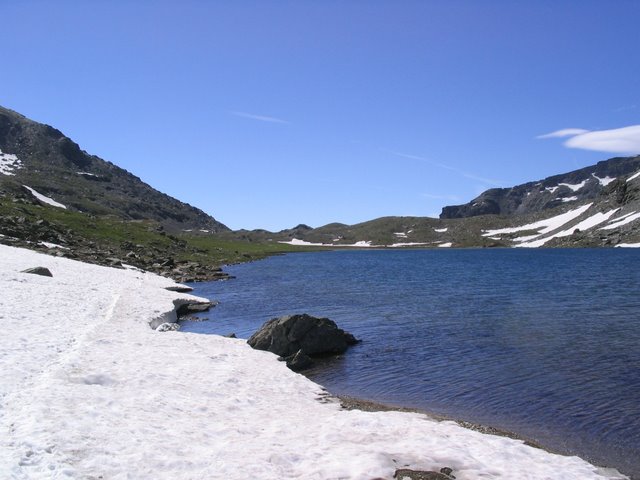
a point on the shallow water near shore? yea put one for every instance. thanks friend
(544, 343)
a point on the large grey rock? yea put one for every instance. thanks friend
(287, 335)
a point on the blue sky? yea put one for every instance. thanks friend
(267, 114)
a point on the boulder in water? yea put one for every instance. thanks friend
(286, 336)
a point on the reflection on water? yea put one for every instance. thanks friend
(545, 343)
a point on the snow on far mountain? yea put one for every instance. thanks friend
(93, 392)
(628, 218)
(574, 187)
(9, 163)
(633, 177)
(603, 181)
(44, 198)
(590, 222)
(408, 244)
(295, 241)
(547, 225)
(551, 189)
(87, 174)
(400, 234)
(569, 199)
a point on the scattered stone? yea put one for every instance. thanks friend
(407, 474)
(179, 288)
(194, 307)
(168, 327)
(287, 335)
(45, 272)
(447, 471)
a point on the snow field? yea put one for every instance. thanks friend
(9, 163)
(89, 390)
(543, 226)
(44, 198)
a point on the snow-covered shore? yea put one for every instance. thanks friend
(88, 390)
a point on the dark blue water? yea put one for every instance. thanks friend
(544, 343)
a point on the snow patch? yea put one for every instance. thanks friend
(295, 241)
(551, 189)
(445, 245)
(569, 199)
(52, 245)
(633, 177)
(546, 225)
(44, 198)
(586, 224)
(628, 245)
(409, 244)
(87, 174)
(8, 163)
(440, 230)
(574, 187)
(622, 221)
(603, 181)
(400, 234)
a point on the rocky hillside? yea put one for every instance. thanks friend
(39, 162)
(572, 187)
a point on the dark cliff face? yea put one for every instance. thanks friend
(576, 186)
(56, 166)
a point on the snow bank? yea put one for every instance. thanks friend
(9, 163)
(544, 226)
(44, 198)
(88, 390)
(619, 222)
(586, 224)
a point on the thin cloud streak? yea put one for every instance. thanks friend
(261, 118)
(565, 132)
(468, 175)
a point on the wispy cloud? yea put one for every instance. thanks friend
(261, 118)
(625, 140)
(625, 108)
(469, 175)
(565, 132)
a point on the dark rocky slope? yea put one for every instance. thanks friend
(56, 167)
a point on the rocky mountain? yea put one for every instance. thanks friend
(40, 162)
(572, 187)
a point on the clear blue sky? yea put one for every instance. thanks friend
(267, 114)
